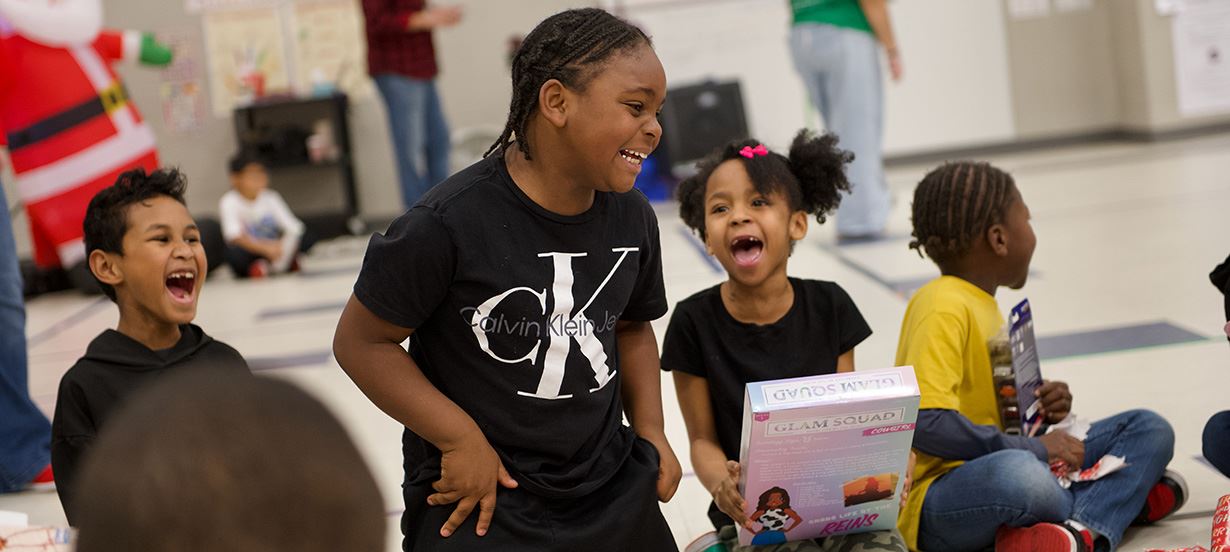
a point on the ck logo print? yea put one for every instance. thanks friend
(562, 329)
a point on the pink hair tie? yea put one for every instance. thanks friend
(750, 152)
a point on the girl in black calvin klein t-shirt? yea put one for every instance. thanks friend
(526, 284)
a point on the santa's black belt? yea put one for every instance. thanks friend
(107, 101)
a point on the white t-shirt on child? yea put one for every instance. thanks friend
(267, 217)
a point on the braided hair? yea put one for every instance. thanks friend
(955, 204)
(812, 177)
(568, 46)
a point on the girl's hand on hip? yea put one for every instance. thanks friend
(470, 474)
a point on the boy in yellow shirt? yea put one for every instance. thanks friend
(975, 486)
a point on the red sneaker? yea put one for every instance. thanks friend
(1165, 498)
(44, 481)
(258, 269)
(1043, 537)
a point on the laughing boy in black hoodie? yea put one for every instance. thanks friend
(145, 251)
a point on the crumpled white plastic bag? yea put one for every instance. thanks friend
(1079, 428)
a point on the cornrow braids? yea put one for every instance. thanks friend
(568, 46)
(812, 178)
(955, 204)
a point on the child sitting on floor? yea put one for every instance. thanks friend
(974, 485)
(262, 236)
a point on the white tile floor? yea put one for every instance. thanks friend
(1127, 234)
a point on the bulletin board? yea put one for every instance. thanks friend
(1200, 32)
(274, 47)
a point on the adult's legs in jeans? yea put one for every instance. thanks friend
(814, 55)
(1217, 442)
(1109, 505)
(24, 430)
(438, 142)
(966, 506)
(405, 101)
(841, 68)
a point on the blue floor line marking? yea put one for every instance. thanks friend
(66, 323)
(904, 238)
(328, 272)
(1053, 347)
(852, 265)
(907, 286)
(294, 311)
(700, 250)
(1107, 340)
(903, 288)
(261, 364)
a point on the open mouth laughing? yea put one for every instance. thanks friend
(746, 250)
(181, 284)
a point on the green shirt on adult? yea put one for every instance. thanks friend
(839, 13)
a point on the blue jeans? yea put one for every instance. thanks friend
(416, 123)
(841, 69)
(24, 431)
(1217, 442)
(965, 507)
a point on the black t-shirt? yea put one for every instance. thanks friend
(704, 340)
(514, 309)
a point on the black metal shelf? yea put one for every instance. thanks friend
(278, 127)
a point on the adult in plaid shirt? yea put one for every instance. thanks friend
(402, 61)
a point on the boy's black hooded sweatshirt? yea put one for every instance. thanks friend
(115, 366)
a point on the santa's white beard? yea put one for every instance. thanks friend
(66, 23)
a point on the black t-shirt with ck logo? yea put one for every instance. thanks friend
(514, 310)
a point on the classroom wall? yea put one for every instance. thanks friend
(1132, 79)
(938, 104)
(976, 72)
(1104, 65)
(1063, 72)
(1157, 111)
(974, 75)
(473, 82)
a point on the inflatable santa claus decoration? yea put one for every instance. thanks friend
(70, 126)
